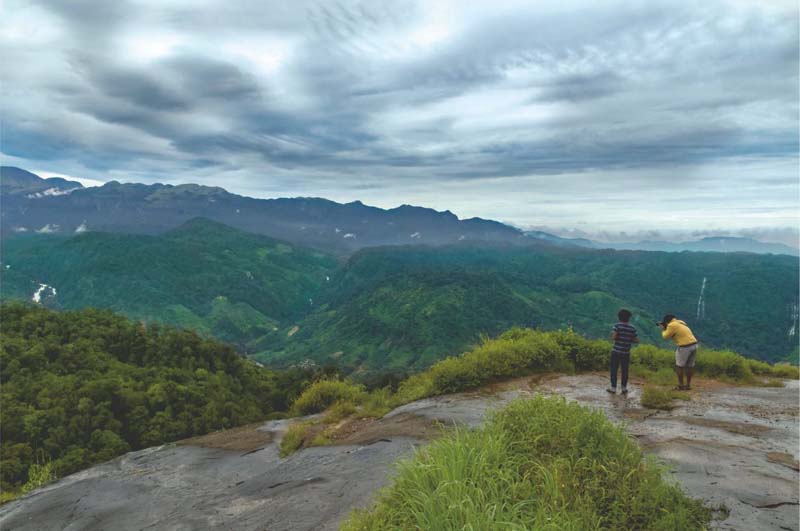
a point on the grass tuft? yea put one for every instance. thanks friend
(539, 463)
(293, 438)
(322, 394)
(654, 397)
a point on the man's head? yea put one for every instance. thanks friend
(667, 319)
(624, 315)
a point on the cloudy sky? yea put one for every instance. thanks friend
(593, 116)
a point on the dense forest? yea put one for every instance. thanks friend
(396, 308)
(202, 275)
(401, 308)
(81, 387)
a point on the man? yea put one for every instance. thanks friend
(686, 352)
(623, 335)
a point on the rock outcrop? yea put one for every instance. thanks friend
(731, 446)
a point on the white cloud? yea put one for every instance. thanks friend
(682, 112)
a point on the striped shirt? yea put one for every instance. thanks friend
(626, 335)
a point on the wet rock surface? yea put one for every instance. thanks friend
(732, 446)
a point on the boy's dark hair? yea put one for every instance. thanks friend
(667, 318)
(624, 315)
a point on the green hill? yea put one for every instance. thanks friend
(82, 387)
(399, 308)
(202, 275)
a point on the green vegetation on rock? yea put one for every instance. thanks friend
(539, 463)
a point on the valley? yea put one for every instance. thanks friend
(399, 308)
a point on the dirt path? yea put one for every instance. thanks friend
(730, 445)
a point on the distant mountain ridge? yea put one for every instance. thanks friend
(314, 222)
(710, 244)
(16, 181)
(56, 205)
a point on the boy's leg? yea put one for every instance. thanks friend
(625, 361)
(613, 366)
(679, 370)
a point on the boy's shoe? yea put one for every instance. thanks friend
(624, 391)
(612, 390)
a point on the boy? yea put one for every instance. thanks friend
(623, 335)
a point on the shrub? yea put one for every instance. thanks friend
(515, 353)
(293, 438)
(585, 354)
(324, 393)
(540, 463)
(338, 411)
(657, 398)
(723, 364)
(377, 403)
(38, 475)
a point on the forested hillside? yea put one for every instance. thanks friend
(406, 307)
(82, 387)
(401, 308)
(202, 275)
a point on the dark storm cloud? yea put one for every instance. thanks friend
(318, 97)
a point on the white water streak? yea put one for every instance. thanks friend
(37, 296)
(701, 302)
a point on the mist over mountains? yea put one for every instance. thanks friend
(56, 205)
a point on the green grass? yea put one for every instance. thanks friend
(658, 397)
(324, 393)
(521, 352)
(293, 438)
(338, 411)
(539, 463)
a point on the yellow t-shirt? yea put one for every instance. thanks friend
(679, 333)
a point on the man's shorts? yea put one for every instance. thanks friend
(684, 356)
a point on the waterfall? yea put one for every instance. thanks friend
(701, 302)
(794, 313)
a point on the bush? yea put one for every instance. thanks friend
(338, 411)
(540, 463)
(585, 354)
(293, 438)
(724, 363)
(324, 393)
(516, 353)
(377, 403)
(657, 398)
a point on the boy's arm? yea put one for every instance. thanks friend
(614, 333)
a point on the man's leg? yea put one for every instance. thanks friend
(680, 363)
(690, 367)
(613, 365)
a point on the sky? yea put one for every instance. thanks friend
(610, 119)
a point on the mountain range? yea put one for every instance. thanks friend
(55, 205)
(399, 308)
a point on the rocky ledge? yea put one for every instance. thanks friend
(735, 447)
